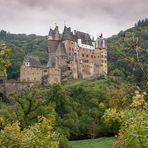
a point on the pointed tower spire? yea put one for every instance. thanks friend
(57, 35)
(51, 34)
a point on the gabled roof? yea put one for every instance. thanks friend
(33, 61)
(85, 37)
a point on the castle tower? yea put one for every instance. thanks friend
(61, 57)
(102, 48)
(67, 34)
(100, 42)
(53, 42)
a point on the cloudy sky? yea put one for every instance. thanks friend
(92, 16)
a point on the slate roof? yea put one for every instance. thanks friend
(53, 46)
(85, 37)
(51, 60)
(34, 61)
(67, 34)
(60, 49)
(54, 33)
(51, 33)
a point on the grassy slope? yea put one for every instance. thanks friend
(93, 143)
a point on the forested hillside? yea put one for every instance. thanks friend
(128, 53)
(79, 109)
(22, 45)
(122, 55)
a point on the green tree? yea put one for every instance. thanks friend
(41, 134)
(31, 104)
(5, 55)
(132, 122)
(128, 53)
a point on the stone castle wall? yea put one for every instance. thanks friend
(74, 60)
(90, 63)
(39, 74)
(78, 55)
(9, 88)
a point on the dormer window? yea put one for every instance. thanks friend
(27, 64)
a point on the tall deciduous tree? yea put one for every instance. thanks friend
(29, 105)
(41, 134)
(5, 56)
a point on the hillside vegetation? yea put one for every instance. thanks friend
(128, 54)
(81, 109)
(122, 57)
(22, 45)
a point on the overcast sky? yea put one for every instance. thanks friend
(92, 16)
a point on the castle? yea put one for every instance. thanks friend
(71, 55)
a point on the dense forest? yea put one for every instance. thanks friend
(80, 109)
(128, 53)
(22, 45)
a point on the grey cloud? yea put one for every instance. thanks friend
(92, 15)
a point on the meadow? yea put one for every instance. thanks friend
(105, 142)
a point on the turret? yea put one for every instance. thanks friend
(54, 34)
(100, 42)
(53, 42)
(93, 41)
(67, 34)
(51, 34)
(104, 44)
